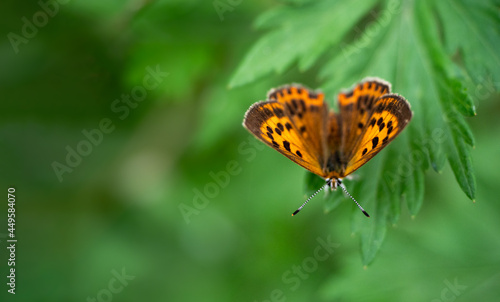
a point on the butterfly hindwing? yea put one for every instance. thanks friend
(292, 121)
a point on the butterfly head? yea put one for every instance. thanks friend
(333, 183)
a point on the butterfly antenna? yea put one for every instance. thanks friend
(328, 181)
(359, 206)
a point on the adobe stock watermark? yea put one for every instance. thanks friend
(30, 27)
(115, 286)
(372, 29)
(451, 291)
(293, 277)
(219, 180)
(121, 109)
(223, 6)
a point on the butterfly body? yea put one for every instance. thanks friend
(298, 123)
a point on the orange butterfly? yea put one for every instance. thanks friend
(297, 122)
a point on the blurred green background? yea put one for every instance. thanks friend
(174, 196)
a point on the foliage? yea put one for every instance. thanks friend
(433, 52)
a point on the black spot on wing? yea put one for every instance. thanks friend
(312, 95)
(370, 102)
(302, 106)
(381, 126)
(290, 109)
(268, 112)
(286, 144)
(360, 100)
(279, 112)
(373, 121)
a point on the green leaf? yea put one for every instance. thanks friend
(294, 41)
(461, 164)
(437, 54)
(373, 230)
(313, 183)
(456, 149)
(472, 28)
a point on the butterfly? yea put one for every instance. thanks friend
(298, 123)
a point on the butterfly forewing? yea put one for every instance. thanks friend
(389, 116)
(308, 113)
(293, 121)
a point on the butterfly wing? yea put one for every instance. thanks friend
(389, 117)
(370, 118)
(292, 121)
